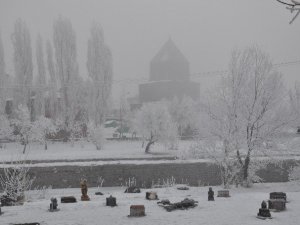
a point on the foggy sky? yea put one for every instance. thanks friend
(205, 31)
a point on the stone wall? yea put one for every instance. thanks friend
(117, 174)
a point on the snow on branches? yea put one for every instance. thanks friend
(153, 121)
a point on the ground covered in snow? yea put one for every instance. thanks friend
(115, 150)
(240, 209)
(86, 150)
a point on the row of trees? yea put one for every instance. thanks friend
(63, 94)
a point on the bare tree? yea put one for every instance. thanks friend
(293, 6)
(41, 77)
(2, 74)
(64, 40)
(22, 62)
(53, 83)
(99, 65)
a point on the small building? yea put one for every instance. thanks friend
(169, 77)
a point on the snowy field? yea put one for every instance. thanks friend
(112, 150)
(86, 150)
(240, 209)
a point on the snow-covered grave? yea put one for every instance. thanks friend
(241, 208)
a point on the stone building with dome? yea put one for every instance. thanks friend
(169, 77)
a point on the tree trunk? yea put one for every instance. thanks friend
(246, 168)
(46, 146)
(147, 149)
(24, 149)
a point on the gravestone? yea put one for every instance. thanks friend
(26, 224)
(137, 211)
(278, 195)
(98, 193)
(68, 199)
(183, 188)
(277, 204)
(111, 201)
(132, 189)
(263, 212)
(53, 205)
(223, 193)
(151, 195)
(84, 190)
(211, 194)
(0, 209)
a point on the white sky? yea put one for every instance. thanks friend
(205, 31)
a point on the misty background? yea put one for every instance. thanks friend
(205, 31)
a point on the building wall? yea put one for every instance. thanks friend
(156, 91)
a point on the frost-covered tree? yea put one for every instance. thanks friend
(99, 65)
(41, 78)
(2, 76)
(23, 126)
(41, 128)
(22, 62)
(52, 83)
(64, 40)
(184, 113)
(153, 121)
(15, 180)
(248, 109)
(96, 134)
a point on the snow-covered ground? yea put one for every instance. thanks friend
(114, 150)
(86, 150)
(240, 209)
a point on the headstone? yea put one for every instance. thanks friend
(133, 189)
(98, 193)
(26, 224)
(263, 212)
(137, 210)
(211, 194)
(223, 193)
(277, 204)
(151, 195)
(184, 188)
(84, 189)
(0, 209)
(111, 201)
(53, 205)
(68, 199)
(278, 195)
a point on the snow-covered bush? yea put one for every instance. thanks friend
(5, 129)
(153, 121)
(15, 180)
(42, 128)
(294, 174)
(96, 134)
(23, 126)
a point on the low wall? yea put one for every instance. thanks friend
(117, 174)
